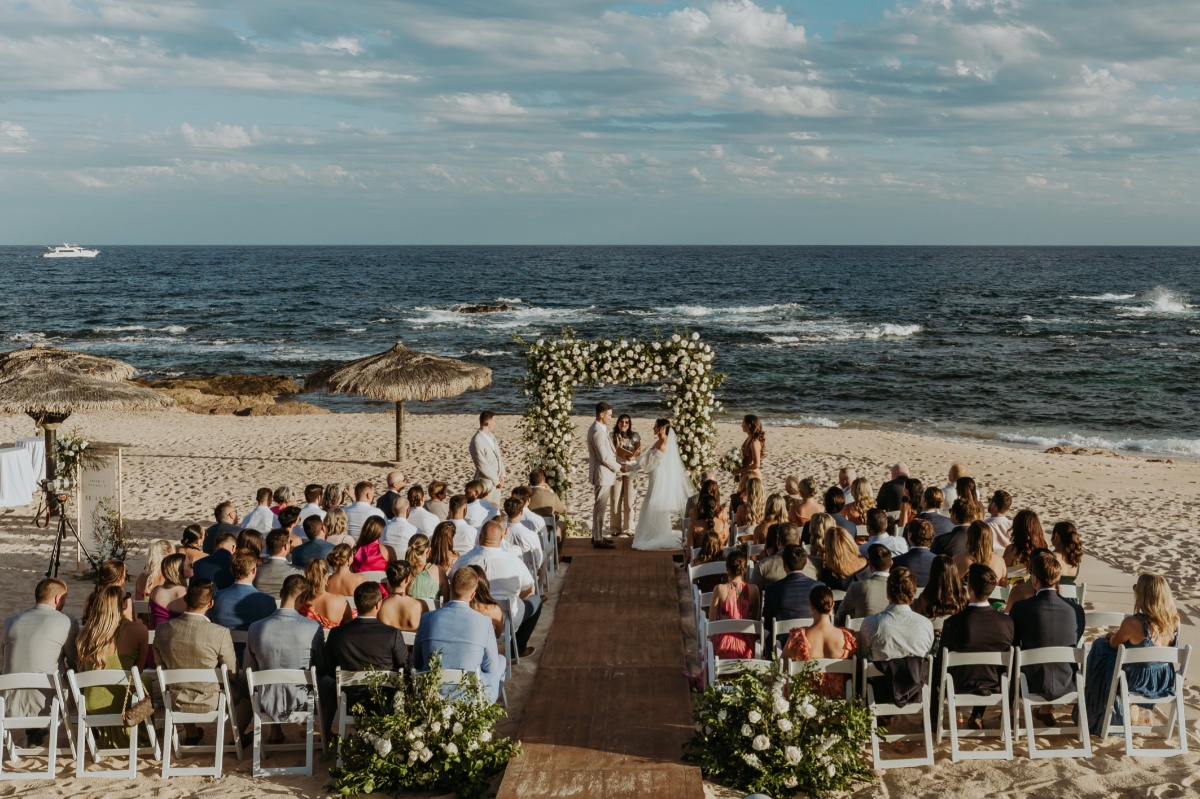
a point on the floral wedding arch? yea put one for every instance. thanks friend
(681, 365)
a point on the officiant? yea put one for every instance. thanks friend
(628, 445)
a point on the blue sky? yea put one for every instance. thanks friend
(560, 121)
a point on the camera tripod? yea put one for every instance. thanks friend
(64, 525)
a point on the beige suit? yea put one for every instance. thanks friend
(39, 640)
(863, 598)
(489, 463)
(193, 642)
(602, 473)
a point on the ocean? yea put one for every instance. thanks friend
(1029, 345)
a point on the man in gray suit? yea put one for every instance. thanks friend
(287, 640)
(868, 597)
(602, 472)
(271, 574)
(485, 453)
(40, 640)
(464, 637)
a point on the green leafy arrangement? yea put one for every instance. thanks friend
(416, 735)
(777, 735)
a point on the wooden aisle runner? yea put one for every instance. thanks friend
(610, 708)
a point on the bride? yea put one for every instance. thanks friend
(666, 495)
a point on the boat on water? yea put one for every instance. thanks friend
(69, 251)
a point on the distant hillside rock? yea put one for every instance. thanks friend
(234, 395)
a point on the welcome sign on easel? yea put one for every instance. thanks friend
(96, 485)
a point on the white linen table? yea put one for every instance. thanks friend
(37, 452)
(16, 477)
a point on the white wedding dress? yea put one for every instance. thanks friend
(666, 499)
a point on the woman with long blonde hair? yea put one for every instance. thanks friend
(151, 575)
(336, 527)
(775, 512)
(166, 600)
(981, 549)
(864, 500)
(842, 560)
(317, 602)
(818, 525)
(754, 502)
(108, 640)
(1155, 622)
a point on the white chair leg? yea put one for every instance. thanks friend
(953, 711)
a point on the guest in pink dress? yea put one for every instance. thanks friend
(821, 640)
(369, 554)
(735, 599)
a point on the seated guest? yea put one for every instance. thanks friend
(877, 526)
(931, 507)
(788, 598)
(371, 555)
(910, 503)
(532, 520)
(750, 512)
(216, 566)
(835, 504)
(735, 599)
(362, 509)
(289, 519)
(283, 499)
(466, 537)
(189, 543)
(891, 494)
(261, 518)
(108, 640)
(418, 517)
(771, 568)
(897, 642)
(151, 574)
(868, 597)
(822, 640)
(441, 547)
(918, 559)
(111, 572)
(226, 523)
(711, 551)
(327, 608)
(337, 527)
(316, 547)
(842, 561)
(465, 638)
(708, 518)
(846, 477)
(815, 530)
(950, 492)
(485, 603)
(966, 489)
(400, 610)
(437, 502)
(523, 540)
(395, 490)
(341, 579)
(775, 512)
(804, 510)
(479, 510)
(1001, 525)
(1023, 590)
(543, 501)
(271, 574)
(1046, 619)
(40, 640)
(981, 550)
(241, 604)
(1155, 622)
(193, 642)
(708, 485)
(312, 504)
(978, 628)
(365, 643)
(335, 495)
(286, 640)
(944, 595)
(1027, 536)
(166, 601)
(962, 513)
(399, 530)
(856, 512)
(1068, 548)
(428, 580)
(510, 580)
(253, 541)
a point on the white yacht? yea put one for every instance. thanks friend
(69, 251)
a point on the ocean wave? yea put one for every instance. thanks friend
(702, 311)
(889, 330)
(1161, 446)
(30, 336)
(509, 300)
(119, 329)
(816, 331)
(526, 316)
(175, 330)
(1026, 318)
(356, 330)
(1161, 301)
(784, 339)
(1192, 332)
(802, 421)
(490, 353)
(1103, 297)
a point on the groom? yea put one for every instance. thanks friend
(602, 472)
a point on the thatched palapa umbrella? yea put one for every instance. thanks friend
(401, 374)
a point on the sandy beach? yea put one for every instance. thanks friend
(1132, 513)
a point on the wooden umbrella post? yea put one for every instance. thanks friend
(399, 432)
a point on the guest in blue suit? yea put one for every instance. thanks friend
(788, 598)
(316, 547)
(215, 567)
(464, 637)
(241, 604)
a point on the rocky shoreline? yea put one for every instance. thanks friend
(234, 395)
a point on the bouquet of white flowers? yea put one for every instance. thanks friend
(732, 460)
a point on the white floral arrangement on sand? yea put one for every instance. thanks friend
(682, 365)
(71, 457)
(732, 460)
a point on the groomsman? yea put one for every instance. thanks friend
(485, 453)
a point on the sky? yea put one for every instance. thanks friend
(591, 122)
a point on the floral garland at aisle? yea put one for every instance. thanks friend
(778, 735)
(682, 365)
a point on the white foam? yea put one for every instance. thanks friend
(1026, 318)
(490, 353)
(120, 329)
(1193, 332)
(1165, 446)
(1162, 302)
(509, 300)
(803, 421)
(29, 337)
(815, 331)
(784, 339)
(356, 330)
(525, 316)
(1103, 297)
(893, 331)
(175, 330)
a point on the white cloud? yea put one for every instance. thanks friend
(14, 138)
(480, 107)
(219, 136)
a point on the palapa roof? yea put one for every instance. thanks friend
(41, 388)
(80, 363)
(401, 374)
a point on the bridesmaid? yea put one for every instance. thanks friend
(753, 448)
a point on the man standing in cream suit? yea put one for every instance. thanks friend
(485, 453)
(602, 471)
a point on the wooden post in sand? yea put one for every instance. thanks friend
(399, 432)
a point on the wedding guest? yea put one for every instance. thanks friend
(337, 527)
(400, 610)
(1155, 622)
(362, 509)
(877, 533)
(808, 506)
(262, 517)
(241, 604)
(709, 487)
(856, 512)
(485, 603)
(1024, 590)
(437, 504)
(931, 511)
(331, 497)
(544, 501)
(754, 448)
(966, 489)
(818, 526)
(962, 513)
(289, 519)
(950, 492)
(846, 477)
(464, 638)
(708, 518)
(253, 541)
(216, 566)
(325, 607)
(750, 512)
(980, 549)
(1068, 548)
(316, 547)
(1047, 619)
(166, 601)
(428, 579)
(395, 490)
(40, 640)
(707, 476)
(108, 640)
(910, 503)
(370, 555)
(772, 568)
(711, 551)
(511, 582)
(944, 595)
(151, 574)
(418, 517)
(868, 597)
(791, 492)
(276, 569)
(479, 510)
(365, 643)
(283, 499)
(227, 518)
(978, 628)
(341, 579)
(530, 519)
(1001, 525)
(842, 561)
(735, 599)
(312, 504)
(896, 632)
(189, 543)
(822, 640)
(835, 506)
(1027, 536)
(891, 494)
(787, 598)
(918, 559)
(111, 572)
(399, 531)
(628, 445)
(486, 455)
(466, 537)
(520, 537)
(441, 547)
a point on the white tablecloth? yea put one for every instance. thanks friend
(16, 478)
(37, 451)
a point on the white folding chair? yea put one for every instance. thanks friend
(343, 720)
(1027, 701)
(29, 682)
(862, 531)
(838, 596)
(725, 626)
(410, 638)
(141, 607)
(551, 546)
(1176, 724)
(218, 717)
(753, 550)
(375, 576)
(732, 667)
(705, 570)
(1103, 618)
(844, 666)
(430, 604)
(854, 624)
(879, 710)
(1075, 593)
(306, 679)
(939, 623)
(783, 627)
(950, 701)
(1000, 593)
(118, 682)
(702, 602)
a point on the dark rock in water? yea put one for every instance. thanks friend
(237, 395)
(486, 308)
(228, 385)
